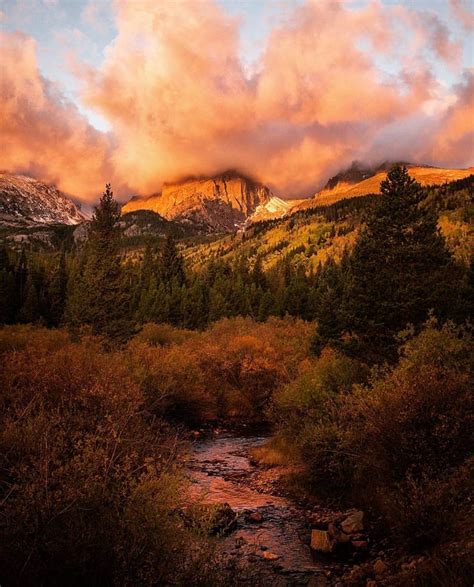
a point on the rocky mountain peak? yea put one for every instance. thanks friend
(24, 200)
(219, 203)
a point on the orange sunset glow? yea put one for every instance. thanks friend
(333, 82)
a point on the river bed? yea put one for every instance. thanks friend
(219, 470)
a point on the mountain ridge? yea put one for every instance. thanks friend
(345, 184)
(25, 200)
(219, 203)
(225, 203)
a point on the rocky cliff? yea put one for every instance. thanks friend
(220, 203)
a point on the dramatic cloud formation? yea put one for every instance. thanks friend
(43, 134)
(455, 132)
(334, 84)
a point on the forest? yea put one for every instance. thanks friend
(346, 329)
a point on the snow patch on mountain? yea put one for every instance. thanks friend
(24, 200)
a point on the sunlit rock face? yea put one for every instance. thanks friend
(222, 202)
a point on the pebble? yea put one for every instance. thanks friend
(270, 556)
(255, 517)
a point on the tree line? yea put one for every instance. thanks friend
(398, 272)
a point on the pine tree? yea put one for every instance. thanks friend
(104, 300)
(172, 265)
(265, 307)
(7, 288)
(21, 277)
(57, 292)
(400, 269)
(257, 275)
(30, 310)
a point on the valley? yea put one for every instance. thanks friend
(236, 293)
(157, 343)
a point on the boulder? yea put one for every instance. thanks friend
(337, 534)
(321, 541)
(353, 523)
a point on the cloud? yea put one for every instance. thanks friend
(42, 133)
(465, 17)
(454, 136)
(180, 103)
(334, 84)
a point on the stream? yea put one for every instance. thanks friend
(220, 471)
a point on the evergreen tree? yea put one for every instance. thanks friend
(161, 304)
(265, 307)
(400, 269)
(258, 276)
(57, 292)
(7, 288)
(104, 301)
(21, 276)
(172, 265)
(30, 310)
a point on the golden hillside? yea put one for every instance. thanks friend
(371, 185)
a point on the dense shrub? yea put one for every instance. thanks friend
(410, 436)
(402, 445)
(172, 382)
(231, 369)
(163, 334)
(307, 415)
(88, 482)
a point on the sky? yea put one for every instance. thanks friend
(142, 92)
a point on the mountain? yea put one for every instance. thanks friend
(308, 238)
(358, 181)
(215, 204)
(26, 201)
(273, 208)
(145, 223)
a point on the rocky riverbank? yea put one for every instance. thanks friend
(273, 537)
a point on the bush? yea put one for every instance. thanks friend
(245, 362)
(172, 382)
(230, 370)
(307, 415)
(162, 335)
(88, 481)
(400, 446)
(410, 436)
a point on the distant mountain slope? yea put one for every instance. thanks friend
(273, 208)
(147, 223)
(24, 200)
(349, 185)
(309, 237)
(220, 203)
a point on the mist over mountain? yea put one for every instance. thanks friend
(223, 203)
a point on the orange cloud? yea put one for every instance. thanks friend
(454, 137)
(179, 102)
(41, 132)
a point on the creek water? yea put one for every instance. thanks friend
(220, 471)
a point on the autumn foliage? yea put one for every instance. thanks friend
(90, 468)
